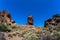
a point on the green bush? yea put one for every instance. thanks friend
(4, 27)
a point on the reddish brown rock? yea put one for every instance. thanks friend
(5, 17)
(30, 20)
(54, 21)
(9, 16)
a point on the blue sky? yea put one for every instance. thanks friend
(40, 9)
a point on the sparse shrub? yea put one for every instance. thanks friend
(31, 35)
(16, 32)
(4, 27)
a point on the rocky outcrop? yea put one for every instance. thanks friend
(30, 20)
(5, 17)
(9, 30)
(54, 21)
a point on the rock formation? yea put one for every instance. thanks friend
(30, 20)
(28, 32)
(54, 21)
(5, 17)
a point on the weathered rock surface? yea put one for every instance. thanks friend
(9, 36)
(5, 17)
(30, 20)
(49, 37)
(2, 36)
(54, 21)
(9, 30)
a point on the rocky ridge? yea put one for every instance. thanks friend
(9, 30)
